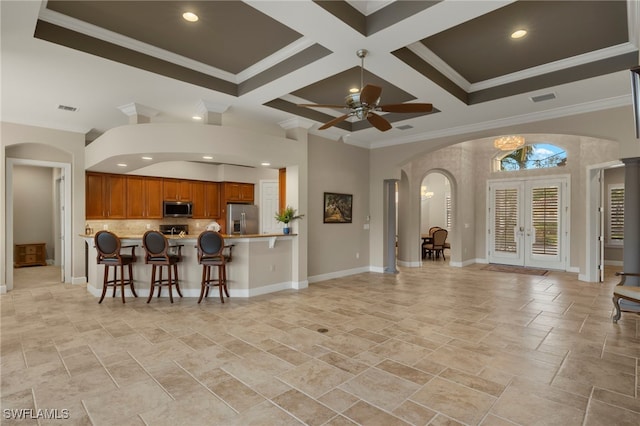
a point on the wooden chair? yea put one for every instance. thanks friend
(108, 246)
(211, 253)
(626, 292)
(160, 254)
(436, 246)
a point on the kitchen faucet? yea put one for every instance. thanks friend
(173, 229)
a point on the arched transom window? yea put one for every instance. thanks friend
(533, 156)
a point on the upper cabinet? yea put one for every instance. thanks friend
(177, 190)
(105, 196)
(206, 200)
(235, 192)
(144, 197)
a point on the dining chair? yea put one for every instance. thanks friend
(436, 246)
(211, 254)
(159, 254)
(626, 292)
(109, 247)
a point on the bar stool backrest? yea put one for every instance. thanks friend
(210, 244)
(107, 245)
(155, 244)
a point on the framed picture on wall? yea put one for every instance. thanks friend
(338, 208)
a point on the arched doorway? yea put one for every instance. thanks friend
(436, 203)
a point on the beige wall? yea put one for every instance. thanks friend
(37, 143)
(337, 167)
(416, 159)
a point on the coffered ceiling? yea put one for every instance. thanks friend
(256, 60)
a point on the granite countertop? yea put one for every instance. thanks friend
(193, 236)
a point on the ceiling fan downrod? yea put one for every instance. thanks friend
(361, 54)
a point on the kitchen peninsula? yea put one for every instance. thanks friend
(261, 264)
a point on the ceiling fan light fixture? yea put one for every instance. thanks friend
(508, 143)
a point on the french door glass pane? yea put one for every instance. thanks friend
(506, 219)
(545, 216)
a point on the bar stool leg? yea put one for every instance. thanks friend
(121, 282)
(153, 281)
(133, 290)
(175, 273)
(104, 282)
(169, 283)
(202, 283)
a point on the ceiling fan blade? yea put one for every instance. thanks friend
(321, 106)
(406, 107)
(378, 122)
(370, 94)
(333, 122)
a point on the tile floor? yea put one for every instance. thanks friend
(433, 345)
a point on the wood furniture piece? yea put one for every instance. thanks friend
(144, 197)
(626, 292)
(159, 254)
(211, 254)
(206, 200)
(106, 196)
(34, 254)
(235, 192)
(436, 246)
(176, 189)
(108, 246)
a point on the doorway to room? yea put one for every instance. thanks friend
(52, 227)
(528, 222)
(436, 207)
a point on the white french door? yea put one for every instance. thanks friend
(528, 222)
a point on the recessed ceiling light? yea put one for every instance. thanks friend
(207, 157)
(122, 165)
(354, 90)
(519, 33)
(265, 164)
(190, 16)
(147, 158)
(196, 117)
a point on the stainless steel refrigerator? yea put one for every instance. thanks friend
(242, 219)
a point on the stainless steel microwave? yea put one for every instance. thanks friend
(177, 209)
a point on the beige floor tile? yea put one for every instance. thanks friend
(456, 401)
(304, 408)
(315, 378)
(401, 349)
(380, 388)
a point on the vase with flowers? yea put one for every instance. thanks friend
(286, 216)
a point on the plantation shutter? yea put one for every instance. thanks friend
(506, 219)
(545, 219)
(616, 215)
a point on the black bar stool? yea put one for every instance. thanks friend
(108, 246)
(158, 254)
(211, 254)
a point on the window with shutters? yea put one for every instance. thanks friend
(616, 215)
(447, 206)
(506, 219)
(545, 217)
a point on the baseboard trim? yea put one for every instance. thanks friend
(613, 263)
(409, 264)
(338, 274)
(3, 289)
(78, 280)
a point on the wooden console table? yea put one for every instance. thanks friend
(30, 255)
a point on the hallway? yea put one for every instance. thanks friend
(430, 345)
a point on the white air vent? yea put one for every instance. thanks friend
(67, 108)
(545, 97)
(404, 127)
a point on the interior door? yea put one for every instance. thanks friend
(61, 198)
(527, 223)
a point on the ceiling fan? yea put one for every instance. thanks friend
(364, 104)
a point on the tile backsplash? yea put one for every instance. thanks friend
(139, 227)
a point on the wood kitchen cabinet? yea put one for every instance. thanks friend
(30, 255)
(177, 189)
(144, 197)
(235, 192)
(106, 196)
(206, 200)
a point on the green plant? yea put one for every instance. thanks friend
(287, 215)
